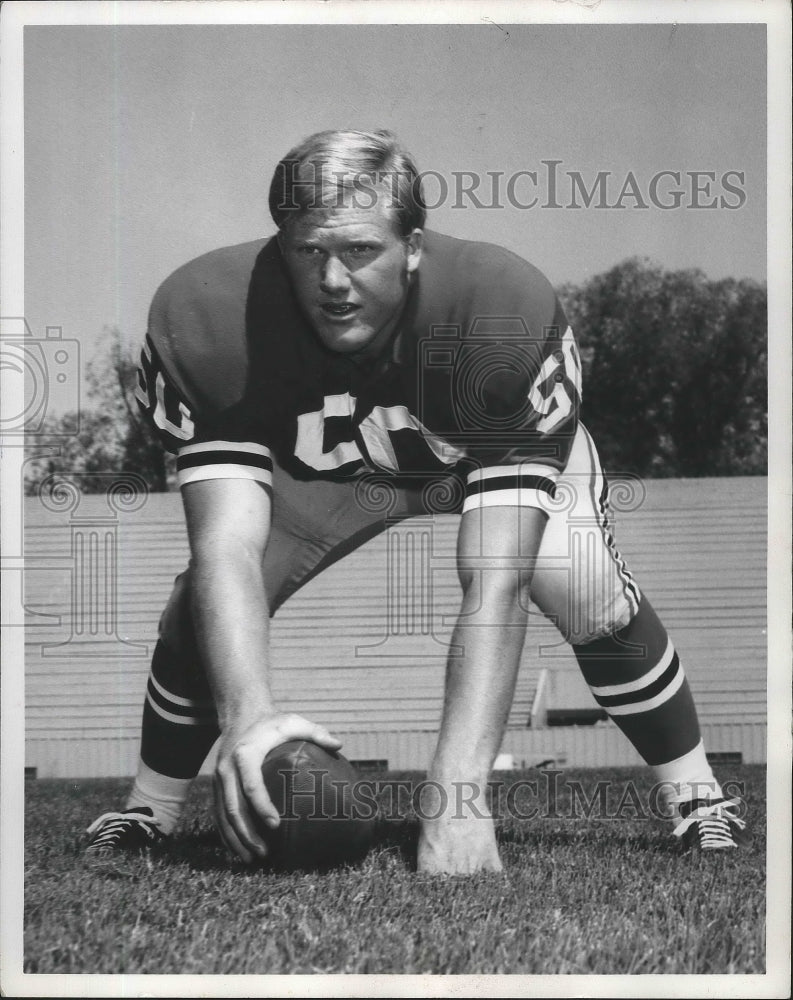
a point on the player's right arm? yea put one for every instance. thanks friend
(193, 368)
(228, 523)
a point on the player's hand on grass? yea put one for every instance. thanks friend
(457, 836)
(242, 805)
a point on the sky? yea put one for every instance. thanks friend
(146, 146)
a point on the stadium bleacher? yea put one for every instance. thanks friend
(362, 647)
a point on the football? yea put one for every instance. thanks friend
(325, 822)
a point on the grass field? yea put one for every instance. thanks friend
(607, 893)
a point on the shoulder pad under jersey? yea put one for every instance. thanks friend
(197, 323)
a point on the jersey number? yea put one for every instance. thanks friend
(560, 393)
(374, 430)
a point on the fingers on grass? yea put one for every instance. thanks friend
(227, 834)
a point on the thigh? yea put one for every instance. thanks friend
(314, 523)
(317, 522)
(581, 581)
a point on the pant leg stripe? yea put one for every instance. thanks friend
(629, 586)
(600, 504)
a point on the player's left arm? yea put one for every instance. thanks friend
(535, 395)
(496, 554)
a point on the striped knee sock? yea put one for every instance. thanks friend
(179, 729)
(636, 676)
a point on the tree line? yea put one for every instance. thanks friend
(674, 376)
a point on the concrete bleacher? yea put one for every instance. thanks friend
(362, 647)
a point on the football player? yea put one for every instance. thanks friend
(285, 374)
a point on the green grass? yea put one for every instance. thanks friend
(578, 895)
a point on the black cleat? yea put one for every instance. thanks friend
(711, 825)
(116, 832)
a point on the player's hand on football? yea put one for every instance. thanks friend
(242, 805)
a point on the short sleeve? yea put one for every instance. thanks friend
(223, 446)
(531, 401)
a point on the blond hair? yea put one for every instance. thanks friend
(336, 169)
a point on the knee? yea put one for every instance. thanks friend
(583, 615)
(599, 621)
(176, 622)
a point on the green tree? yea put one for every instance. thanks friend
(113, 436)
(674, 370)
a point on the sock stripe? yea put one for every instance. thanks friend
(670, 689)
(178, 730)
(180, 719)
(175, 699)
(637, 678)
(647, 692)
(607, 690)
(177, 713)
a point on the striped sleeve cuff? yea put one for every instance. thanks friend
(528, 485)
(224, 460)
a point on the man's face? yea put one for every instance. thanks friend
(350, 268)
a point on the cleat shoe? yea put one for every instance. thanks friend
(711, 825)
(130, 830)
